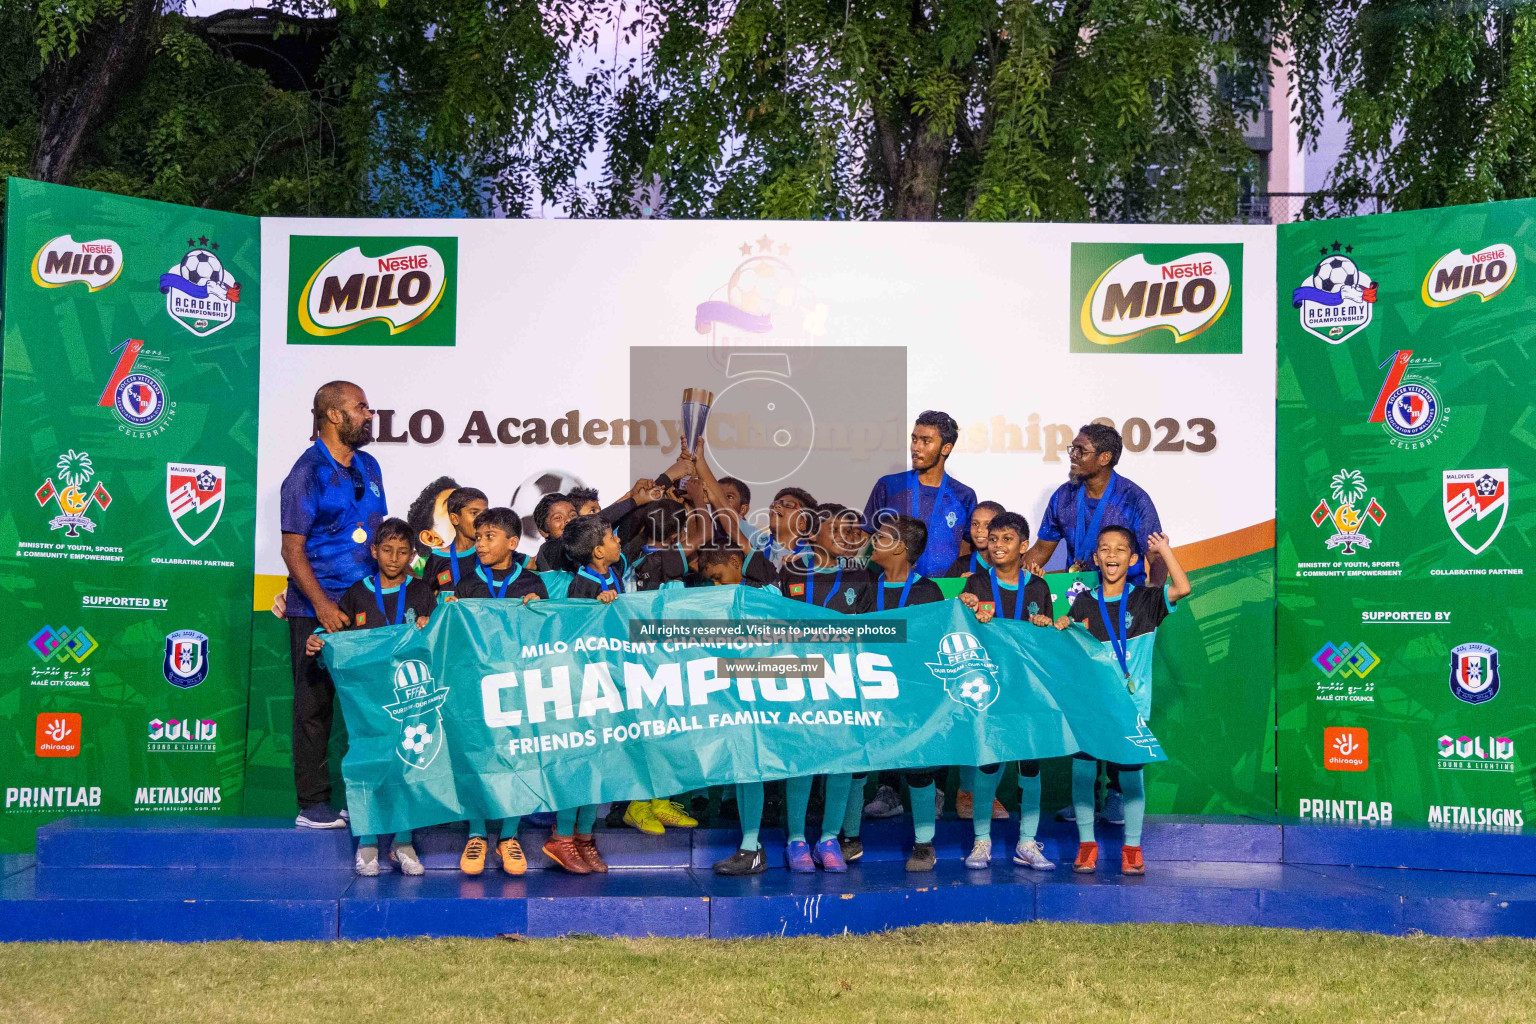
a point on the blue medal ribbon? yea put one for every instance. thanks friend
(378, 595)
(906, 588)
(1018, 596)
(915, 500)
(490, 580)
(810, 587)
(1082, 538)
(608, 582)
(1117, 638)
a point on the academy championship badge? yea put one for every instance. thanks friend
(195, 497)
(1476, 505)
(417, 702)
(1336, 300)
(1474, 673)
(200, 294)
(969, 676)
(74, 472)
(1348, 490)
(186, 658)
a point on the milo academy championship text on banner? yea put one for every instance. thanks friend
(1406, 454)
(128, 438)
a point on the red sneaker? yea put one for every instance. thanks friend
(589, 855)
(1130, 861)
(564, 852)
(1087, 858)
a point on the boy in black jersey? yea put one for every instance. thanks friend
(975, 560)
(1126, 617)
(584, 500)
(727, 566)
(895, 548)
(497, 574)
(456, 558)
(550, 517)
(662, 554)
(1007, 591)
(391, 598)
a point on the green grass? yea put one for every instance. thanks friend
(937, 974)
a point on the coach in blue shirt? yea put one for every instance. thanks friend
(927, 492)
(332, 502)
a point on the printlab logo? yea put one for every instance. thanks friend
(1343, 663)
(969, 675)
(416, 707)
(75, 471)
(137, 393)
(1408, 406)
(200, 294)
(63, 261)
(1456, 275)
(182, 736)
(1476, 505)
(763, 302)
(1348, 489)
(195, 497)
(372, 291)
(1346, 750)
(1475, 673)
(57, 647)
(186, 658)
(58, 734)
(1337, 299)
(1156, 298)
(1477, 754)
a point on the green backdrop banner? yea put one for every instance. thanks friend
(128, 427)
(495, 709)
(1406, 446)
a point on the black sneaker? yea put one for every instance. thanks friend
(743, 863)
(852, 849)
(923, 858)
(320, 816)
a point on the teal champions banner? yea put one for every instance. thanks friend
(496, 709)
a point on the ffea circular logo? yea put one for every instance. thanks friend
(139, 400)
(1412, 411)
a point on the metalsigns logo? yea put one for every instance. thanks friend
(1475, 673)
(63, 261)
(1408, 407)
(137, 393)
(1477, 754)
(75, 471)
(1347, 489)
(969, 675)
(372, 290)
(1456, 275)
(1156, 298)
(1337, 299)
(1476, 505)
(200, 294)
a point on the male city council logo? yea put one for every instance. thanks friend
(1337, 299)
(186, 658)
(1476, 505)
(1408, 407)
(1348, 490)
(372, 291)
(194, 495)
(63, 261)
(1474, 673)
(1456, 275)
(75, 471)
(200, 293)
(1165, 295)
(969, 675)
(418, 700)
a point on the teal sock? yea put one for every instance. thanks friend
(1085, 779)
(565, 821)
(923, 812)
(509, 827)
(968, 778)
(477, 827)
(1029, 806)
(403, 838)
(853, 815)
(797, 798)
(369, 840)
(981, 810)
(586, 817)
(749, 805)
(1134, 789)
(837, 801)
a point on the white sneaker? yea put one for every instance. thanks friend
(980, 856)
(1029, 855)
(367, 862)
(405, 856)
(886, 804)
(1067, 813)
(1114, 808)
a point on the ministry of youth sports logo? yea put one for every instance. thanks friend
(969, 675)
(1348, 490)
(1337, 299)
(418, 699)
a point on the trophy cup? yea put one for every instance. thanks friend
(696, 403)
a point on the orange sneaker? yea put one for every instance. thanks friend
(1087, 858)
(513, 862)
(1131, 862)
(472, 861)
(562, 850)
(589, 855)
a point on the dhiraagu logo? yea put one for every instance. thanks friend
(1147, 299)
(374, 290)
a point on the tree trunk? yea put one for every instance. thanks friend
(76, 93)
(922, 173)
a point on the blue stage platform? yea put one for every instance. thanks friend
(183, 880)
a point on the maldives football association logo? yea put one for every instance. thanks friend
(1347, 488)
(1337, 299)
(74, 471)
(195, 497)
(417, 707)
(968, 673)
(1474, 673)
(200, 293)
(1476, 505)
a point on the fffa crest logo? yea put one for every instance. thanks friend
(969, 675)
(418, 699)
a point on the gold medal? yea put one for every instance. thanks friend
(360, 535)
(1130, 684)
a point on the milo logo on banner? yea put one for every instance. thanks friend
(1456, 275)
(372, 290)
(1147, 299)
(63, 261)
